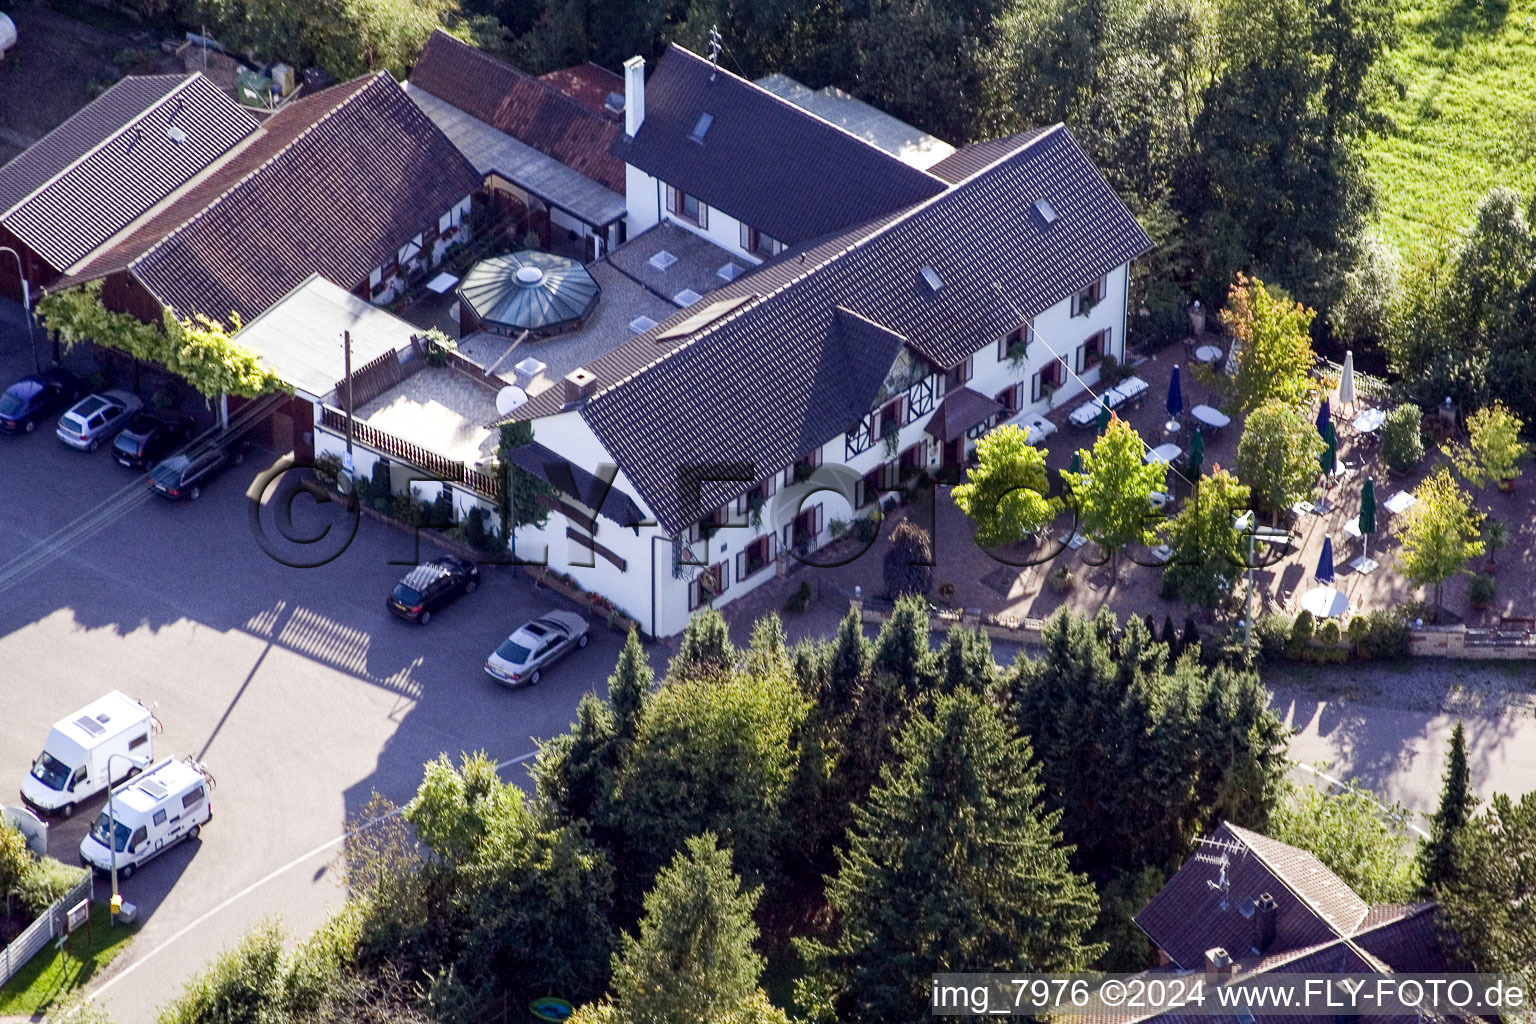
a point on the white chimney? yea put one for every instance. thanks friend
(634, 95)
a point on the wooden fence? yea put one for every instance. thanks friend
(439, 466)
(49, 926)
(372, 379)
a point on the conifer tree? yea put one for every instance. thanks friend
(629, 688)
(953, 865)
(706, 647)
(1456, 806)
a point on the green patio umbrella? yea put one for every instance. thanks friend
(1328, 460)
(1077, 461)
(1367, 513)
(1103, 418)
(1196, 453)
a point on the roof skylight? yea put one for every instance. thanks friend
(1046, 211)
(933, 280)
(701, 128)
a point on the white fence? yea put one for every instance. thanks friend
(45, 929)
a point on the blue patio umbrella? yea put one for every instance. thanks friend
(1175, 403)
(1324, 572)
(1324, 417)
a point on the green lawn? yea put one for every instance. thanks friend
(1467, 121)
(55, 973)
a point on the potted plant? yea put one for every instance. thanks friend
(1061, 580)
(1493, 539)
(1480, 591)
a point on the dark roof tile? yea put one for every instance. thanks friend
(764, 161)
(338, 199)
(661, 406)
(978, 156)
(86, 129)
(147, 159)
(531, 111)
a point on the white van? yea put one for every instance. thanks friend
(73, 765)
(152, 812)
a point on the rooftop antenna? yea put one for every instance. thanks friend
(714, 51)
(1218, 852)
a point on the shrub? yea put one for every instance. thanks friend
(1191, 631)
(1062, 580)
(800, 599)
(328, 468)
(839, 528)
(46, 881)
(1359, 629)
(532, 240)
(474, 528)
(435, 347)
(1388, 635)
(1112, 371)
(908, 563)
(15, 858)
(1169, 637)
(381, 486)
(1402, 440)
(441, 511)
(1328, 632)
(242, 985)
(888, 505)
(866, 529)
(1303, 629)
(1480, 589)
(1273, 634)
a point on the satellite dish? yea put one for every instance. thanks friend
(509, 399)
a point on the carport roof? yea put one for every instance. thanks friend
(299, 338)
(496, 152)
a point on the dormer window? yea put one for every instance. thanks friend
(758, 243)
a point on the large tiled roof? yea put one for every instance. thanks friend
(515, 102)
(732, 391)
(86, 129)
(763, 160)
(150, 154)
(338, 199)
(978, 156)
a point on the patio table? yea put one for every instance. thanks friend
(1325, 602)
(1369, 421)
(441, 283)
(1164, 453)
(1208, 353)
(1352, 527)
(1210, 416)
(1399, 503)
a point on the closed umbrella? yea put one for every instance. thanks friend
(1077, 461)
(1367, 513)
(1104, 415)
(1196, 453)
(1175, 403)
(1324, 572)
(1347, 382)
(1323, 418)
(1330, 456)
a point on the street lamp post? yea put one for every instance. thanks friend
(26, 305)
(1246, 524)
(138, 762)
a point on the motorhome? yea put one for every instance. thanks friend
(113, 734)
(148, 815)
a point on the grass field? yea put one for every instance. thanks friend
(1467, 121)
(55, 973)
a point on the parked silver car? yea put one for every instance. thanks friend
(95, 418)
(523, 656)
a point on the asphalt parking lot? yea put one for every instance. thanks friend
(294, 685)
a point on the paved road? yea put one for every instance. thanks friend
(1401, 754)
(295, 686)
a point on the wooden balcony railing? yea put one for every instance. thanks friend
(440, 467)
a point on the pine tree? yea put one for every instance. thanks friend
(705, 648)
(630, 687)
(693, 959)
(953, 864)
(769, 650)
(851, 657)
(901, 650)
(1456, 806)
(1489, 907)
(574, 772)
(965, 663)
(1170, 636)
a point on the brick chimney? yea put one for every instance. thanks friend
(634, 95)
(1218, 962)
(580, 383)
(1265, 911)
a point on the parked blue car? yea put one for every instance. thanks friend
(34, 397)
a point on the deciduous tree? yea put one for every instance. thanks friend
(1364, 844)
(1277, 454)
(1489, 907)
(1273, 354)
(1207, 557)
(1494, 450)
(1440, 533)
(1113, 493)
(1007, 493)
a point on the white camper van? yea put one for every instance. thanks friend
(73, 765)
(152, 813)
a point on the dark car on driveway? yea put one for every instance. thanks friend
(186, 474)
(429, 587)
(151, 436)
(35, 396)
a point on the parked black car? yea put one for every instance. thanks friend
(151, 436)
(430, 586)
(35, 396)
(185, 475)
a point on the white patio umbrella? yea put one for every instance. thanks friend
(1347, 382)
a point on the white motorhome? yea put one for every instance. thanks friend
(150, 814)
(74, 763)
